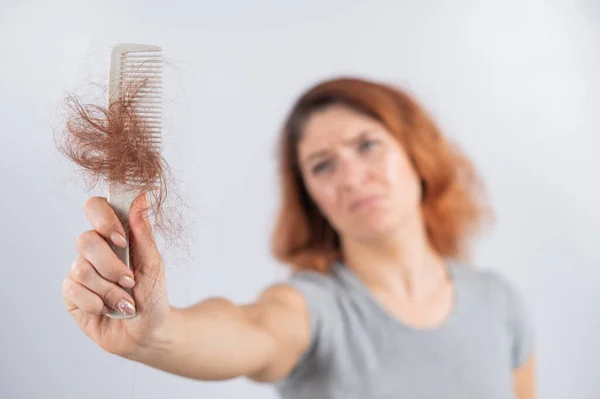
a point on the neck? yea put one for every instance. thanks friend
(402, 262)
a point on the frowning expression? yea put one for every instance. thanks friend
(357, 172)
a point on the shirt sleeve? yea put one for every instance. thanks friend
(316, 291)
(520, 325)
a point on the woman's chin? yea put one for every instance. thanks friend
(373, 230)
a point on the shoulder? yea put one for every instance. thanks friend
(290, 312)
(318, 292)
(320, 295)
(298, 288)
(305, 292)
(310, 280)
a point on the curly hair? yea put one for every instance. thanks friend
(453, 204)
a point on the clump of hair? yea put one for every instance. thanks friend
(114, 144)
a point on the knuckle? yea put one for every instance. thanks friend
(67, 288)
(107, 225)
(92, 306)
(80, 271)
(92, 203)
(109, 271)
(96, 306)
(75, 264)
(85, 241)
(109, 296)
(88, 204)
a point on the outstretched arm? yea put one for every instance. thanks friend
(217, 339)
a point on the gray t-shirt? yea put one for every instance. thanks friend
(359, 350)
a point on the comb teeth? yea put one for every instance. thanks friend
(145, 67)
(136, 77)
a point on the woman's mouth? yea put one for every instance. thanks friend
(363, 202)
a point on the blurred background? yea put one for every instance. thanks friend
(515, 83)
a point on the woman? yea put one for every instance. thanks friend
(377, 211)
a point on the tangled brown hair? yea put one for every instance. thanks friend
(116, 143)
(453, 204)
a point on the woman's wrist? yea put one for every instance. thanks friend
(161, 340)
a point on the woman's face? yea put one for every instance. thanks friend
(357, 173)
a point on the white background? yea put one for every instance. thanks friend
(516, 83)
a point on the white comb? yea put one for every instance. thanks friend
(129, 65)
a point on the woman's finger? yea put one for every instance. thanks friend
(113, 296)
(96, 250)
(105, 221)
(77, 297)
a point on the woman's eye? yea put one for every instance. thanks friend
(367, 144)
(321, 167)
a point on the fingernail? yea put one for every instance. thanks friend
(126, 282)
(124, 306)
(118, 239)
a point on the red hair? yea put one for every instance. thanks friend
(452, 205)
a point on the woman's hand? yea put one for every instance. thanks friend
(212, 340)
(95, 284)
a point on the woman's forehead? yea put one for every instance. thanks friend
(333, 124)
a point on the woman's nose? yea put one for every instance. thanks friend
(352, 173)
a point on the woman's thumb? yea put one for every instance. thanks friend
(138, 215)
(141, 237)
